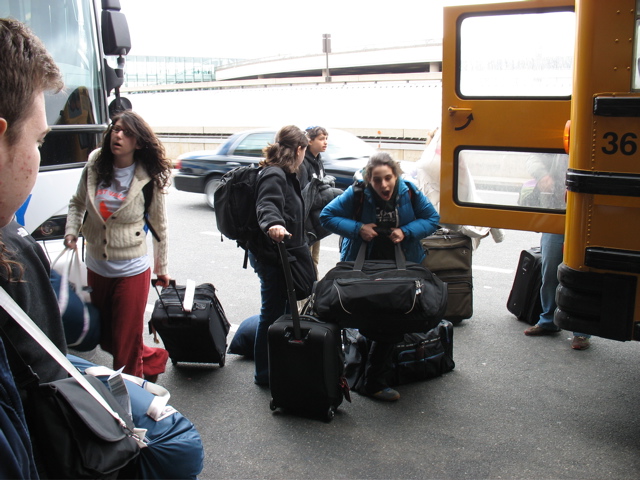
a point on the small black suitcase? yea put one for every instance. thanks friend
(524, 299)
(198, 336)
(306, 362)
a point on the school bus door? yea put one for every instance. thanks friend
(508, 91)
(507, 80)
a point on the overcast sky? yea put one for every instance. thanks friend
(265, 28)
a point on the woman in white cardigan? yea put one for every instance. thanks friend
(120, 196)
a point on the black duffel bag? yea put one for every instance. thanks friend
(393, 296)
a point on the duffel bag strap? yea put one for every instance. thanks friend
(401, 263)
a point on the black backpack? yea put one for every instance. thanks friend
(235, 204)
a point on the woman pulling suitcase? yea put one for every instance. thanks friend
(386, 212)
(122, 193)
(280, 212)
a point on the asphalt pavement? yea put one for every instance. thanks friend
(514, 407)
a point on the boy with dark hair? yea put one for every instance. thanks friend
(312, 167)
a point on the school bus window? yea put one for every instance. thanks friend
(517, 55)
(522, 180)
(636, 64)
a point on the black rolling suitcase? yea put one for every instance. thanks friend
(524, 299)
(193, 335)
(306, 363)
(448, 255)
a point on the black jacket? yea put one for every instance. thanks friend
(36, 297)
(278, 202)
(311, 166)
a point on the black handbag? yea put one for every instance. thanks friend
(392, 296)
(74, 435)
(77, 426)
(303, 271)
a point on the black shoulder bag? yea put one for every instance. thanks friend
(78, 427)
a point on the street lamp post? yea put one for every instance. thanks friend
(326, 48)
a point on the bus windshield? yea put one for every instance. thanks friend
(78, 113)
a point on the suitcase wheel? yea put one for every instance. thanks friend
(272, 405)
(223, 358)
(330, 414)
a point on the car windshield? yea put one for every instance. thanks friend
(344, 145)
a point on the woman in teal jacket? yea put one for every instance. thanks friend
(385, 211)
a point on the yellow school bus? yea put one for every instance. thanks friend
(547, 92)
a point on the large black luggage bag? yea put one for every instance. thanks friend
(524, 299)
(195, 336)
(419, 356)
(448, 255)
(388, 296)
(306, 363)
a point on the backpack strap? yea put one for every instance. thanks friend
(147, 191)
(358, 193)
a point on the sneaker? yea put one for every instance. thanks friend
(580, 343)
(538, 331)
(386, 395)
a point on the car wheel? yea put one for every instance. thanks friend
(210, 189)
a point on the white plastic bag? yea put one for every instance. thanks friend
(72, 269)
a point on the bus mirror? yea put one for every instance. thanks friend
(116, 39)
(114, 76)
(120, 104)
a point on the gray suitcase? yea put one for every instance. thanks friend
(449, 256)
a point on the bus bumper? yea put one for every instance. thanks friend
(600, 304)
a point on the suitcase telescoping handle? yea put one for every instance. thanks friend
(189, 294)
(293, 305)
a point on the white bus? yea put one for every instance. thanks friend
(79, 34)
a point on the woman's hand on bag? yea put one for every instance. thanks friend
(397, 235)
(277, 233)
(367, 232)
(71, 241)
(163, 280)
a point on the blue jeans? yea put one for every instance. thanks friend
(274, 305)
(551, 248)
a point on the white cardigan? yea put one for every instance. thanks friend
(122, 235)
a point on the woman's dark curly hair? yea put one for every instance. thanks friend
(283, 153)
(150, 154)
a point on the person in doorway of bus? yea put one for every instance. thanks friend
(121, 195)
(28, 71)
(549, 172)
(280, 212)
(391, 211)
(551, 245)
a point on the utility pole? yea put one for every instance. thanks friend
(326, 49)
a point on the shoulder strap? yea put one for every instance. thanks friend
(147, 191)
(14, 310)
(358, 194)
